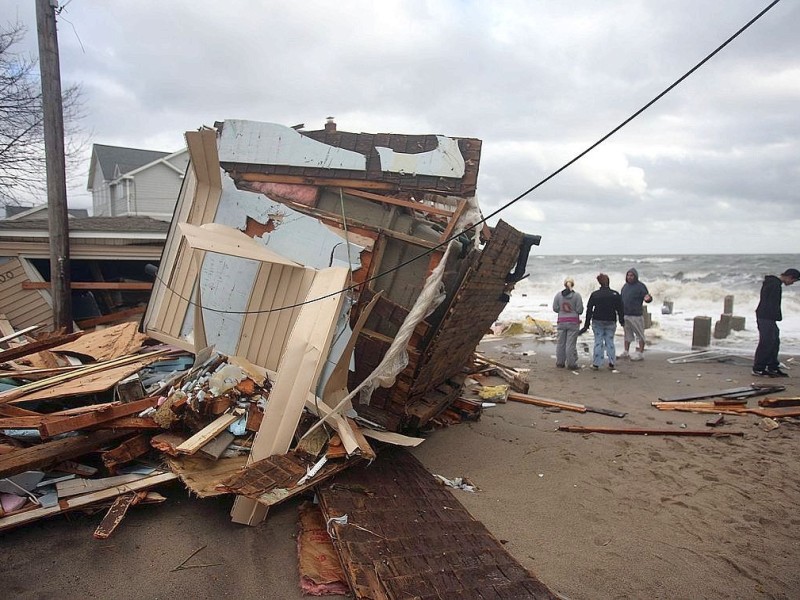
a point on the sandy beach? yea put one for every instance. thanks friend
(594, 516)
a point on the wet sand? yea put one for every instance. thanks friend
(594, 516)
(632, 516)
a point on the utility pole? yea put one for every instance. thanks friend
(60, 284)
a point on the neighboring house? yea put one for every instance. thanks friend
(133, 182)
(28, 213)
(108, 260)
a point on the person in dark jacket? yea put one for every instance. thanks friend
(768, 313)
(634, 293)
(602, 312)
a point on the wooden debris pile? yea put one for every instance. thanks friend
(90, 434)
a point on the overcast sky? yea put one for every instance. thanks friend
(712, 167)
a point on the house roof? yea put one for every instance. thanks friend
(22, 212)
(118, 159)
(93, 224)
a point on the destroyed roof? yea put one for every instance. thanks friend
(380, 161)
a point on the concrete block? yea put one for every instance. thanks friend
(701, 332)
(728, 310)
(722, 328)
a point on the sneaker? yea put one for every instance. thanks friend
(637, 356)
(611, 366)
(760, 373)
(624, 355)
(558, 366)
(595, 368)
(777, 373)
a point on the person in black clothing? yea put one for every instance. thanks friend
(602, 312)
(768, 313)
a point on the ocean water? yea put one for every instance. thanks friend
(696, 284)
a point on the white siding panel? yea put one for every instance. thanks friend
(155, 190)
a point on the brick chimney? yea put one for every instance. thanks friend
(330, 125)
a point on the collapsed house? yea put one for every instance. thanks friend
(415, 295)
(394, 208)
(322, 281)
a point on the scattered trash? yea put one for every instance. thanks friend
(461, 483)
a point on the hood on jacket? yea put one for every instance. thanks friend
(635, 274)
(566, 292)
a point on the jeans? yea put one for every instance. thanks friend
(769, 343)
(604, 341)
(567, 346)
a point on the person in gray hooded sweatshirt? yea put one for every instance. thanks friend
(634, 293)
(569, 306)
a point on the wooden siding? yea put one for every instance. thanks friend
(22, 308)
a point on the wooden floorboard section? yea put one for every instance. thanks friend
(407, 536)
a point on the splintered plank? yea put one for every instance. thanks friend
(116, 513)
(406, 536)
(49, 453)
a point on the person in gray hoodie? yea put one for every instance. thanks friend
(569, 306)
(634, 293)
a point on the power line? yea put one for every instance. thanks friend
(510, 202)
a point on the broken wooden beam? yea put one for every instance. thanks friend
(546, 402)
(645, 431)
(82, 421)
(779, 402)
(127, 451)
(47, 454)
